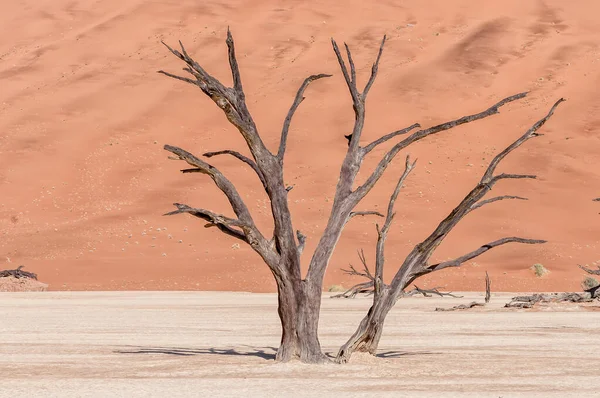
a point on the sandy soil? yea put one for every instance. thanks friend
(84, 116)
(11, 284)
(133, 344)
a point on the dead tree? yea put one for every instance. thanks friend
(366, 338)
(472, 304)
(299, 296)
(18, 273)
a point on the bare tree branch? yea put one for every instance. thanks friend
(235, 70)
(429, 292)
(225, 224)
(251, 233)
(589, 270)
(177, 77)
(488, 288)
(475, 253)
(461, 306)
(532, 132)
(297, 101)
(241, 157)
(419, 135)
(374, 70)
(389, 136)
(352, 67)
(477, 193)
(382, 234)
(349, 82)
(365, 213)
(496, 199)
(230, 100)
(238, 205)
(505, 176)
(366, 274)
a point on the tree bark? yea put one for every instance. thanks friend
(366, 338)
(299, 307)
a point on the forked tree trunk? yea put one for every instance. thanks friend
(300, 299)
(367, 336)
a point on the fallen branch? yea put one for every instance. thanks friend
(472, 304)
(429, 292)
(532, 300)
(17, 273)
(462, 306)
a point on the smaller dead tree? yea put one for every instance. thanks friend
(530, 301)
(367, 287)
(18, 273)
(367, 336)
(488, 287)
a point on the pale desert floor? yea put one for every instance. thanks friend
(172, 344)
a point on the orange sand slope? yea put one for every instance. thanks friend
(84, 116)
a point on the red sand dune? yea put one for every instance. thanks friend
(84, 116)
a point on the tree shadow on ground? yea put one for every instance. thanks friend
(267, 353)
(264, 353)
(390, 354)
(400, 354)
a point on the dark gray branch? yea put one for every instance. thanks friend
(233, 64)
(374, 70)
(230, 100)
(484, 186)
(488, 288)
(352, 67)
(475, 253)
(297, 101)
(532, 132)
(241, 157)
(389, 136)
(252, 235)
(18, 273)
(382, 234)
(365, 213)
(351, 86)
(472, 304)
(589, 270)
(419, 135)
(505, 176)
(495, 199)
(225, 224)
(429, 292)
(183, 79)
(366, 273)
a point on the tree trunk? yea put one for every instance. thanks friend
(299, 306)
(366, 338)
